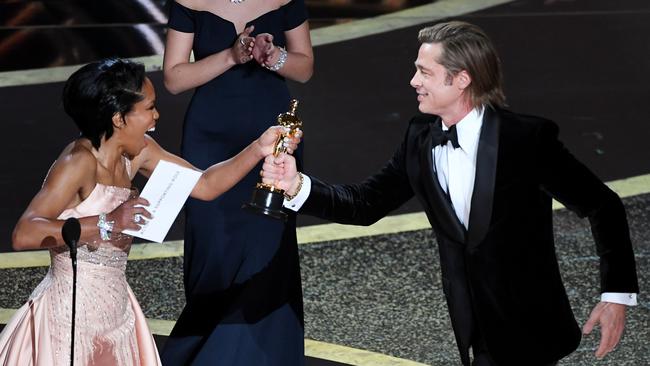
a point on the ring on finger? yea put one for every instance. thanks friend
(136, 218)
(241, 41)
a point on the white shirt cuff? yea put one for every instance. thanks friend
(619, 298)
(296, 203)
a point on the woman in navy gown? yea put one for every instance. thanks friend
(242, 275)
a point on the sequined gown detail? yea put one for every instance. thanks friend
(110, 328)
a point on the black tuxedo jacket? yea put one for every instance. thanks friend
(500, 277)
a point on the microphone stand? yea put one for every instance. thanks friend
(73, 256)
(71, 232)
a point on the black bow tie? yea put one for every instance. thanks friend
(440, 137)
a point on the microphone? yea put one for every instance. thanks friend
(71, 232)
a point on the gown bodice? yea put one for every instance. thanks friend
(111, 253)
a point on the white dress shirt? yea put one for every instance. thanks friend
(456, 168)
(456, 171)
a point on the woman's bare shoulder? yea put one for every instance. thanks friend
(76, 162)
(79, 152)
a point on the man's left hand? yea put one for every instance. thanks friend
(611, 318)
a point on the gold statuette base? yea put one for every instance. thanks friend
(267, 200)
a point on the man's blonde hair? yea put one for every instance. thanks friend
(466, 47)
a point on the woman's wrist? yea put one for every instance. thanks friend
(231, 57)
(274, 56)
(258, 150)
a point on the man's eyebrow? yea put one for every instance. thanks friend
(420, 66)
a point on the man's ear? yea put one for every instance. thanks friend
(118, 120)
(463, 79)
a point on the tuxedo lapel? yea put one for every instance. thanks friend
(486, 166)
(440, 206)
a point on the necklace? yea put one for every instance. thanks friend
(237, 1)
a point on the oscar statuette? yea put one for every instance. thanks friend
(267, 199)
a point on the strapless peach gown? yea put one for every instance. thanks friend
(110, 328)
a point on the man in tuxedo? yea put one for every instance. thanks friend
(486, 178)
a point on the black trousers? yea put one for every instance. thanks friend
(482, 355)
(484, 359)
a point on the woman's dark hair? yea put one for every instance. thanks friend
(94, 93)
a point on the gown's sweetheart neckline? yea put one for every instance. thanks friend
(108, 186)
(94, 192)
(234, 27)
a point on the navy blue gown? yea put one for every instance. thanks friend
(242, 275)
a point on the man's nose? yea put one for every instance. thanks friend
(414, 81)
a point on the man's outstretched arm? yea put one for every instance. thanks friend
(358, 204)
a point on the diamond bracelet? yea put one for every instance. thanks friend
(105, 227)
(278, 65)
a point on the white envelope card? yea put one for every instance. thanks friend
(166, 190)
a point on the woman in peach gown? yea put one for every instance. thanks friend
(112, 103)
